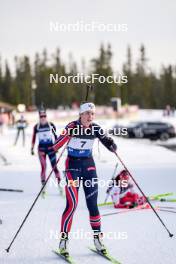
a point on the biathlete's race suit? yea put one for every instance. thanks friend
(124, 196)
(80, 166)
(46, 136)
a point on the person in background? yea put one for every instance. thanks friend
(46, 132)
(122, 192)
(21, 125)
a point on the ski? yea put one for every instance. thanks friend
(167, 207)
(68, 259)
(137, 208)
(106, 255)
(10, 190)
(159, 196)
(167, 210)
(4, 160)
(106, 203)
(142, 207)
(152, 198)
(167, 200)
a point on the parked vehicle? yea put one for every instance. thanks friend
(151, 130)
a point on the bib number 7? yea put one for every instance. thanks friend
(83, 143)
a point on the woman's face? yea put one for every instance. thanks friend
(43, 119)
(87, 118)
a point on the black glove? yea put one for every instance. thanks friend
(111, 145)
(32, 151)
(108, 190)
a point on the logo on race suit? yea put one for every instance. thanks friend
(90, 168)
(91, 106)
(45, 136)
(81, 151)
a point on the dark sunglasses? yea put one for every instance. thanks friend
(43, 116)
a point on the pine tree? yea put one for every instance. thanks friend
(102, 67)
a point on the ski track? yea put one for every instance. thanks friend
(153, 167)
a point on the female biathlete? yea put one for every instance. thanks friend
(79, 136)
(46, 133)
(122, 192)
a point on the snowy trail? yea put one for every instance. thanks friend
(147, 242)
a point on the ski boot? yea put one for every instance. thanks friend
(63, 245)
(44, 191)
(98, 238)
(61, 191)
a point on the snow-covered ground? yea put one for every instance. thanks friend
(140, 237)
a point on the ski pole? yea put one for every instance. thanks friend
(107, 196)
(24, 220)
(89, 88)
(170, 234)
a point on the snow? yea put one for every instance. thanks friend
(147, 241)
